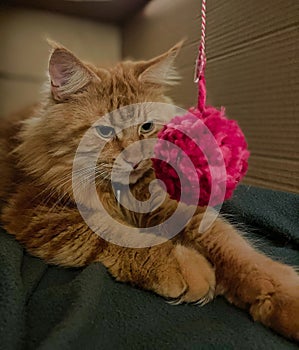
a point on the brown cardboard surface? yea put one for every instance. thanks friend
(102, 10)
(262, 172)
(253, 65)
(252, 70)
(24, 50)
(17, 94)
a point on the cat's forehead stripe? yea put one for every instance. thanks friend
(123, 115)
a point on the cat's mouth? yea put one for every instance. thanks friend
(133, 166)
(131, 172)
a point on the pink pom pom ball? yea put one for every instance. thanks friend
(217, 149)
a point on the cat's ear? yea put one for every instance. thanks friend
(67, 73)
(160, 70)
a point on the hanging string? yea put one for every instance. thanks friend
(200, 63)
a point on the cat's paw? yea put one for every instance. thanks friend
(279, 307)
(196, 276)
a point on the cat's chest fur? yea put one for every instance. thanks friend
(131, 203)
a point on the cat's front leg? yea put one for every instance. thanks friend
(61, 237)
(172, 271)
(249, 279)
(153, 262)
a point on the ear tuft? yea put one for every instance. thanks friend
(160, 70)
(54, 44)
(67, 73)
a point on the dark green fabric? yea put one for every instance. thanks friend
(48, 307)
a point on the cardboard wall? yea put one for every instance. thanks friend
(24, 50)
(253, 70)
(253, 65)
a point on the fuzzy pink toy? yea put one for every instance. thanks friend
(219, 156)
(201, 156)
(215, 145)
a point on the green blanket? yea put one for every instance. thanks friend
(48, 307)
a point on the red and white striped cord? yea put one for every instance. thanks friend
(201, 58)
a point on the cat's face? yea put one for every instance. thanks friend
(81, 97)
(120, 135)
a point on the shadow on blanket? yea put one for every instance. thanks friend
(47, 307)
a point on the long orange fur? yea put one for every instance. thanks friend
(36, 155)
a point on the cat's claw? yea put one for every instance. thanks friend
(200, 302)
(206, 299)
(198, 275)
(174, 301)
(191, 281)
(278, 308)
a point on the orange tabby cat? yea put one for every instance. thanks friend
(39, 209)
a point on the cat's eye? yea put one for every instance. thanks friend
(147, 127)
(105, 131)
